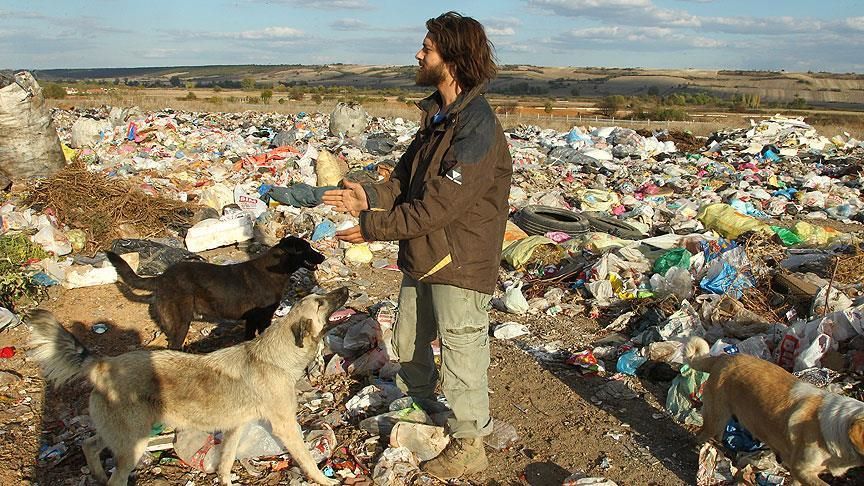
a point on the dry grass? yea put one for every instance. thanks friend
(99, 206)
(848, 270)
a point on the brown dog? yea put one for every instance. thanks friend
(223, 390)
(809, 429)
(250, 290)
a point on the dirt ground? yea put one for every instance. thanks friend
(562, 425)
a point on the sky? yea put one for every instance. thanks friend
(795, 35)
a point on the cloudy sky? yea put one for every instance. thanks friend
(796, 35)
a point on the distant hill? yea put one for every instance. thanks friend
(821, 89)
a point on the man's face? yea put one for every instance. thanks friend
(431, 70)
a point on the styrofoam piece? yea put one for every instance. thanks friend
(213, 233)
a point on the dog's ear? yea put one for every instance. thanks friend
(856, 434)
(300, 330)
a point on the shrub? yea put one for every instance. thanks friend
(53, 91)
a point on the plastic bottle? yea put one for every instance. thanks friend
(382, 424)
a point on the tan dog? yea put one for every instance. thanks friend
(810, 430)
(223, 390)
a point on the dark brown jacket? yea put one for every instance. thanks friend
(446, 201)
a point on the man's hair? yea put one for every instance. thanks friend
(464, 47)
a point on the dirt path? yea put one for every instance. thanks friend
(548, 402)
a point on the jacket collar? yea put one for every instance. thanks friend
(432, 103)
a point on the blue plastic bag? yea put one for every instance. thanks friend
(629, 362)
(728, 281)
(325, 229)
(737, 439)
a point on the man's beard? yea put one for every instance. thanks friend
(430, 76)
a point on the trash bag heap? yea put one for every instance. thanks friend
(749, 238)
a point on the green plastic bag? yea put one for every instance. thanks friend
(678, 257)
(788, 237)
(685, 390)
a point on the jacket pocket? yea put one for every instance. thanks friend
(453, 248)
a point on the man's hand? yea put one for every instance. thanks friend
(352, 199)
(351, 235)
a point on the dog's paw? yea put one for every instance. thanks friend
(329, 482)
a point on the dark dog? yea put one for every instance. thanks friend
(250, 290)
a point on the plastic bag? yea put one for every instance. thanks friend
(677, 281)
(382, 424)
(629, 362)
(329, 169)
(514, 301)
(679, 257)
(29, 145)
(502, 437)
(518, 253)
(836, 301)
(203, 450)
(425, 441)
(154, 257)
(723, 278)
(728, 222)
(50, 238)
(325, 229)
(348, 120)
(813, 235)
(684, 393)
(397, 466)
(789, 238)
(811, 355)
(510, 330)
(359, 254)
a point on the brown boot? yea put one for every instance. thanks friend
(460, 457)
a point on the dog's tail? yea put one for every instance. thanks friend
(696, 354)
(128, 275)
(61, 356)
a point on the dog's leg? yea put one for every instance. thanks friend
(288, 431)
(92, 447)
(713, 421)
(178, 336)
(806, 478)
(805, 464)
(127, 459)
(230, 441)
(175, 317)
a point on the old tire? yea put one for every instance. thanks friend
(539, 220)
(613, 226)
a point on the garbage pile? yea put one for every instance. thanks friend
(748, 239)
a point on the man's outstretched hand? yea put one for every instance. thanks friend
(351, 235)
(352, 199)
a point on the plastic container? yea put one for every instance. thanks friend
(213, 233)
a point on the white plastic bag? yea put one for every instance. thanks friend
(29, 145)
(514, 301)
(811, 355)
(348, 120)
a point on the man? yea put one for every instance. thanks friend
(446, 203)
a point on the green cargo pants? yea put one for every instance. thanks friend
(460, 318)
